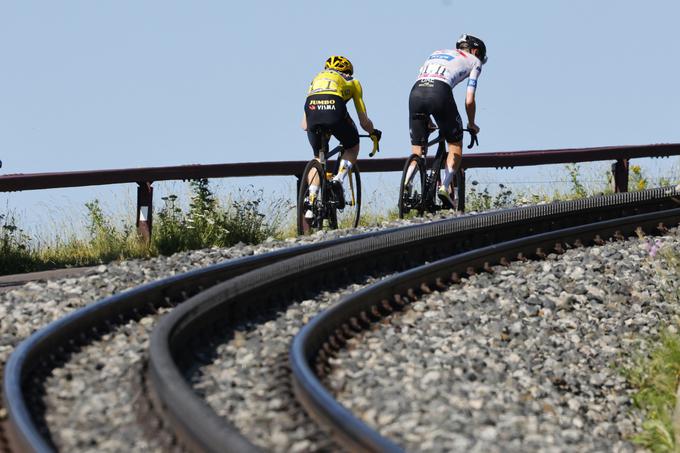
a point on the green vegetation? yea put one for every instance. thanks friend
(655, 378)
(206, 223)
(209, 224)
(656, 375)
(636, 180)
(483, 201)
(480, 200)
(14, 253)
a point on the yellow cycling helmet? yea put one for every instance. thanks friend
(340, 64)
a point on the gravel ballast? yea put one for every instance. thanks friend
(521, 359)
(526, 359)
(89, 399)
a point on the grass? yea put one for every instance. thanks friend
(655, 376)
(207, 222)
(15, 256)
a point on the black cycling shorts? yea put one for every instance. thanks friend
(329, 111)
(433, 97)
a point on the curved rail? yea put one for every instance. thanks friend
(37, 354)
(273, 286)
(327, 332)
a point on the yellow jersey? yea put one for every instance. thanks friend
(339, 84)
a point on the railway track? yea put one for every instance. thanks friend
(326, 335)
(253, 290)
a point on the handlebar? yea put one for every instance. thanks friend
(473, 138)
(375, 136)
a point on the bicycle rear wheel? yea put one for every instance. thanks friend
(310, 207)
(349, 216)
(412, 187)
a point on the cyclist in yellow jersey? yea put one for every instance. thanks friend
(327, 96)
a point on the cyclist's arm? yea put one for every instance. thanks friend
(470, 104)
(470, 109)
(303, 124)
(357, 97)
(365, 122)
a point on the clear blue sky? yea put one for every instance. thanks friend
(116, 84)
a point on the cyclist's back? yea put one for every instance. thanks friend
(432, 94)
(325, 106)
(451, 66)
(328, 94)
(333, 83)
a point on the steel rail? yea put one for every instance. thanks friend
(273, 287)
(48, 345)
(325, 334)
(44, 348)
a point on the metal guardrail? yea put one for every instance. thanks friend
(144, 177)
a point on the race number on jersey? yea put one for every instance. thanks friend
(451, 67)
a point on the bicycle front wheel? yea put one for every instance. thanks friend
(348, 217)
(412, 187)
(310, 208)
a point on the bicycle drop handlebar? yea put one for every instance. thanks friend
(376, 133)
(473, 138)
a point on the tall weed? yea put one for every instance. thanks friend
(656, 375)
(15, 253)
(476, 200)
(208, 223)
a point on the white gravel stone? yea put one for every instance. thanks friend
(75, 416)
(527, 379)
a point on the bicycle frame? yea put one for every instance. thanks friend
(326, 208)
(433, 173)
(324, 155)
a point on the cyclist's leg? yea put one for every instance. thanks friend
(346, 132)
(318, 116)
(316, 141)
(419, 108)
(453, 161)
(451, 127)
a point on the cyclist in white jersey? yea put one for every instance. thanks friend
(432, 95)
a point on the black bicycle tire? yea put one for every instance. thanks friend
(304, 185)
(420, 168)
(437, 204)
(332, 218)
(333, 213)
(355, 172)
(431, 186)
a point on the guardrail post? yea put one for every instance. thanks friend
(620, 171)
(299, 181)
(460, 187)
(144, 209)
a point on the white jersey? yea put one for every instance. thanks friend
(452, 66)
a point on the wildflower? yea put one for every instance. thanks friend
(653, 247)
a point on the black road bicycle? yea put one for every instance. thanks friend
(325, 209)
(418, 192)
